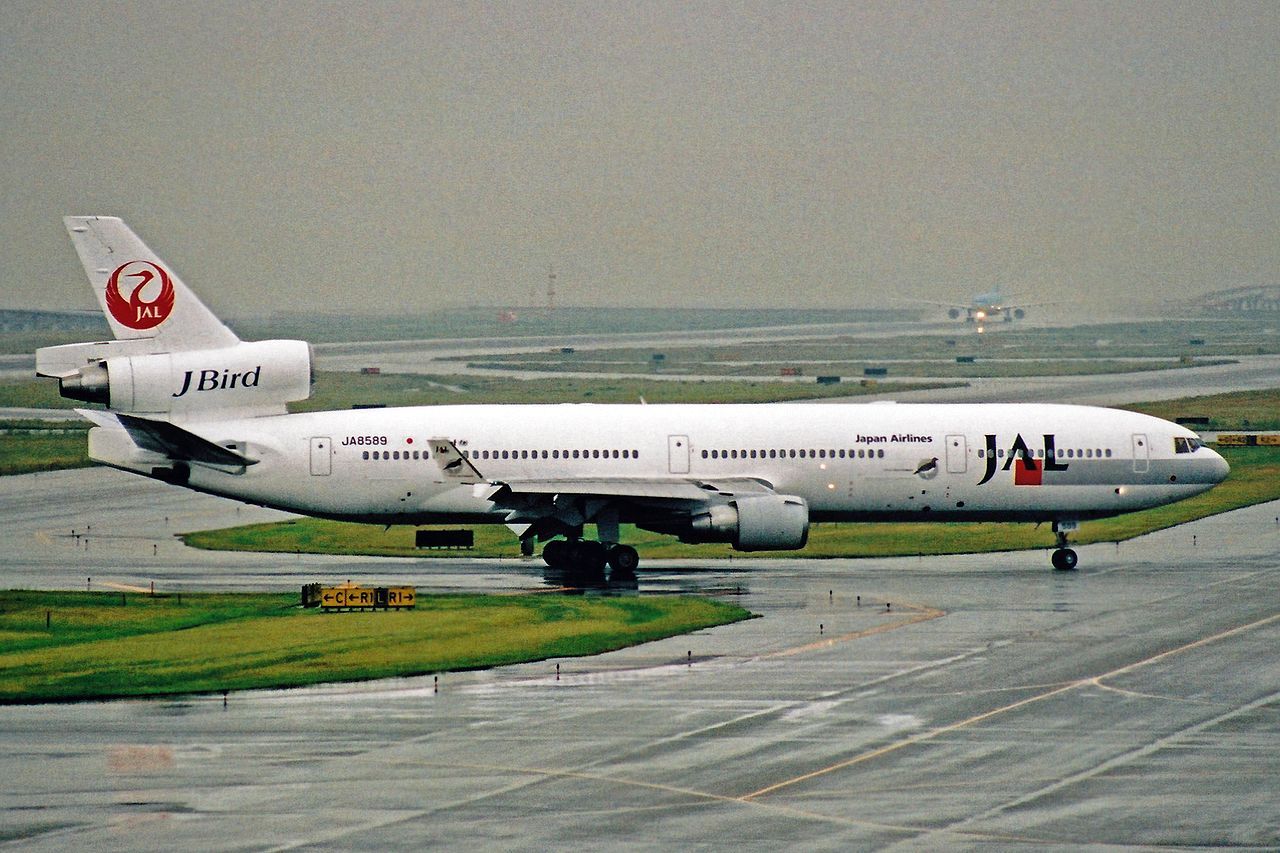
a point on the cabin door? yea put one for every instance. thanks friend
(678, 454)
(957, 454)
(1141, 454)
(321, 456)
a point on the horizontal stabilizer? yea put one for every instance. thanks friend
(170, 439)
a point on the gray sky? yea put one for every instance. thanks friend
(388, 156)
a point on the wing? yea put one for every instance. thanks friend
(645, 489)
(545, 507)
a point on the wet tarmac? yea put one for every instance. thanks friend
(945, 702)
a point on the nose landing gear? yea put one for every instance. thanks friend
(1064, 559)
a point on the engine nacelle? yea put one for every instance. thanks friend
(250, 377)
(765, 523)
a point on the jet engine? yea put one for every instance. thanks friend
(764, 523)
(257, 377)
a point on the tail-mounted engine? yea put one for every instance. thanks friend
(249, 378)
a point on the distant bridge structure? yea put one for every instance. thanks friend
(1248, 299)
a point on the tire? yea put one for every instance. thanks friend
(1065, 560)
(556, 553)
(623, 559)
(586, 555)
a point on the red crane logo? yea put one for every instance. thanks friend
(134, 311)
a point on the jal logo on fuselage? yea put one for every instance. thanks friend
(219, 380)
(1028, 470)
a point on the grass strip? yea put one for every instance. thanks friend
(1254, 478)
(113, 645)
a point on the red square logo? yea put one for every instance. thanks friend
(1027, 472)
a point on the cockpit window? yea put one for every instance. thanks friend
(1186, 445)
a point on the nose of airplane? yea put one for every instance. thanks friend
(1219, 469)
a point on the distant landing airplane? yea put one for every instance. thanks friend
(985, 308)
(187, 402)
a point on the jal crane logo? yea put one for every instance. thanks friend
(134, 311)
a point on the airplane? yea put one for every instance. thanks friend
(984, 308)
(187, 402)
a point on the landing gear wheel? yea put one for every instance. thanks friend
(1064, 560)
(587, 556)
(623, 559)
(556, 553)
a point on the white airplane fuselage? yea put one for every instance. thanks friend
(847, 461)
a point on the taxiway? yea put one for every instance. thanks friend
(942, 702)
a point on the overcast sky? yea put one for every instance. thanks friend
(377, 157)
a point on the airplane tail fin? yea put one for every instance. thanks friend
(172, 357)
(138, 292)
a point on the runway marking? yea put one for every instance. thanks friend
(1137, 695)
(710, 798)
(1120, 760)
(1013, 706)
(922, 614)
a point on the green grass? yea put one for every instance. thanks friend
(29, 446)
(98, 647)
(1235, 410)
(1254, 478)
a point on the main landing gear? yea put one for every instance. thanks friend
(1064, 559)
(590, 557)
